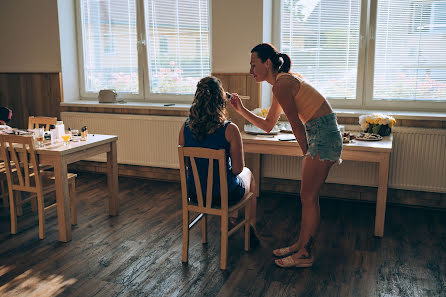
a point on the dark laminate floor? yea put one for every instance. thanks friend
(138, 253)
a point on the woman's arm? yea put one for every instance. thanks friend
(234, 138)
(181, 136)
(266, 124)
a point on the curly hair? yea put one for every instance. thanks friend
(207, 112)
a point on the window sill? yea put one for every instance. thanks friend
(127, 105)
(398, 115)
(345, 116)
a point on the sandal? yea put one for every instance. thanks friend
(282, 252)
(289, 261)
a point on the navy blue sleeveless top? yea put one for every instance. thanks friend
(217, 140)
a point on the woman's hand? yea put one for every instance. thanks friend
(236, 103)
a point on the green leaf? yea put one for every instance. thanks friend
(376, 128)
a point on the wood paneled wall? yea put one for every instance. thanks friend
(30, 94)
(243, 84)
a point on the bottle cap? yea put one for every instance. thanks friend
(52, 127)
(59, 123)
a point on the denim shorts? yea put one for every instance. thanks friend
(324, 138)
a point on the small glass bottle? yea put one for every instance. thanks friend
(60, 130)
(84, 133)
(53, 135)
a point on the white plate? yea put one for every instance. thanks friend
(363, 137)
(285, 127)
(251, 129)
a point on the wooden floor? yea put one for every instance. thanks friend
(138, 253)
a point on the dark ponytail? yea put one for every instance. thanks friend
(267, 51)
(286, 65)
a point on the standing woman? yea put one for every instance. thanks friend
(316, 130)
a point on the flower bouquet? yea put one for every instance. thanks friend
(377, 123)
(261, 112)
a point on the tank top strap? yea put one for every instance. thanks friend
(300, 79)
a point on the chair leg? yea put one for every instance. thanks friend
(18, 199)
(4, 193)
(73, 202)
(247, 225)
(185, 255)
(41, 213)
(34, 204)
(224, 242)
(13, 211)
(204, 228)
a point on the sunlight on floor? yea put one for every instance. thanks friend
(5, 269)
(30, 283)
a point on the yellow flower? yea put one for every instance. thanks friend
(376, 119)
(261, 112)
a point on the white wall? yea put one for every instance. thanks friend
(237, 26)
(29, 36)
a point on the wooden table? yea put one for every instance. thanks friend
(364, 151)
(59, 156)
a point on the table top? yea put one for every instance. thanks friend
(278, 140)
(73, 146)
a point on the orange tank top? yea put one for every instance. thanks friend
(308, 100)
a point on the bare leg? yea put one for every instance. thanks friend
(249, 182)
(314, 174)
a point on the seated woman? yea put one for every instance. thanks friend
(5, 115)
(207, 127)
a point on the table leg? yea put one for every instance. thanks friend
(63, 200)
(382, 194)
(112, 180)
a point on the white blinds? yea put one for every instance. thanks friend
(178, 44)
(110, 54)
(322, 39)
(410, 50)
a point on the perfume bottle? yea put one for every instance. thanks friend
(84, 133)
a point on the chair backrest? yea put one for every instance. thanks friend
(19, 154)
(36, 122)
(192, 153)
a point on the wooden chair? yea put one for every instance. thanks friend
(206, 208)
(22, 177)
(36, 122)
(4, 191)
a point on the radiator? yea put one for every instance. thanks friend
(142, 140)
(418, 159)
(417, 162)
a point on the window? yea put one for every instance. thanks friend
(429, 17)
(144, 49)
(369, 53)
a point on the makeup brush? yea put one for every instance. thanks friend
(229, 96)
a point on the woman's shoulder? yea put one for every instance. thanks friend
(286, 84)
(232, 131)
(288, 77)
(231, 126)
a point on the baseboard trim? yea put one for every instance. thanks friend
(359, 193)
(275, 185)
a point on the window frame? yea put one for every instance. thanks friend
(144, 94)
(366, 64)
